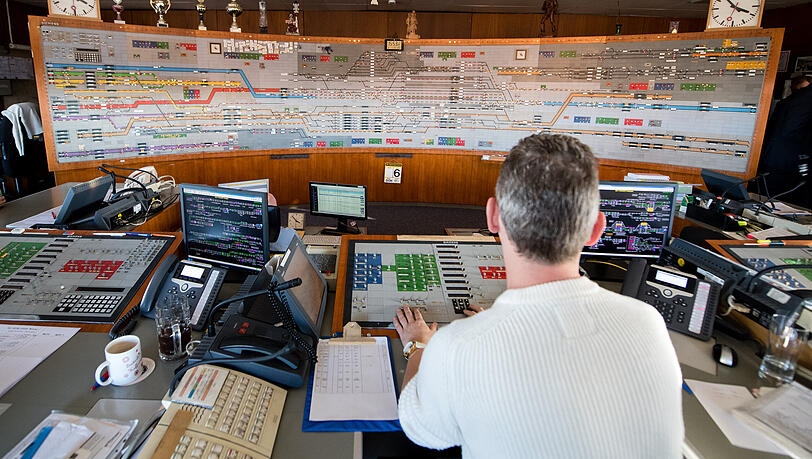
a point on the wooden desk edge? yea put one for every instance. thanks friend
(759, 332)
(134, 301)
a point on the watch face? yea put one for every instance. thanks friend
(81, 8)
(734, 13)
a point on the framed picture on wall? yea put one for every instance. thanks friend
(783, 61)
(214, 48)
(803, 64)
(521, 54)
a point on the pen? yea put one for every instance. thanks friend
(53, 215)
(106, 373)
(686, 388)
(139, 234)
(768, 244)
(110, 234)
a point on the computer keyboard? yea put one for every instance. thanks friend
(321, 239)
(325, 262)
(242, 423)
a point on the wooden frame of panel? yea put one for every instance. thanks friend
(691, 173)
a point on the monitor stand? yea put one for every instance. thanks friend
(344, 226)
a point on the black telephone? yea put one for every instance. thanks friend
(199, 282)
(687, 304)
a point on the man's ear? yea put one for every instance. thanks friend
(492, 215)
(597, 229)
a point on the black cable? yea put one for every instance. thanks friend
(134, 170)
(125, 324)
(282, 311)
(262, 358)
(102, 169)
(771, 200)
(218, 306)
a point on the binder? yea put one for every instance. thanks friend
(352, 333)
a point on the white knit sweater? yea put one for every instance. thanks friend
(562, 369)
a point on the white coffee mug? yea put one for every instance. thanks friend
(123, 361)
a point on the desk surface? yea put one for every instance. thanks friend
(166, 220)
(62, 382)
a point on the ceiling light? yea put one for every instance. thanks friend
(373, 2)
(391, 2)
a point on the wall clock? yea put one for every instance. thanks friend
(81, 9)
(734, 14)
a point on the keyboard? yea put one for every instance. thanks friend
(325, 262)
(242, 423)
(321, 239)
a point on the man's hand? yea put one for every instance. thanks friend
(411, 327)
(472, 311)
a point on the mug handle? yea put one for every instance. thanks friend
(99, 372)
(177, 344)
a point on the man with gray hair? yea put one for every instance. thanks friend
(558, 366)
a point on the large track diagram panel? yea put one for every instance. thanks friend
(117, 94)
(442, 279)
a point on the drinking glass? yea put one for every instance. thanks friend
(172, 318)
(784, 345)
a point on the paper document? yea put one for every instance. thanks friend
(353, 381)
(23, 347)
(66, 435)
(784, 415)
(775, 232)
(719, 400)
(43, 218)
(260, 186)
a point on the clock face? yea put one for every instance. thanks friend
(734, 13)
(78, 8)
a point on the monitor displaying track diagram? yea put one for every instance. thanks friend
(121, 91)
(639, 216)
(442, 279)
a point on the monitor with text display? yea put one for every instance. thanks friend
(344, 202)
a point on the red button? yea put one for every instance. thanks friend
(245, 325)
(241, 331)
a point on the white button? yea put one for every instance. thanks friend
(184, 286)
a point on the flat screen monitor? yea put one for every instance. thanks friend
(639, 216)
(83, 200)
(306, 301)
(344, 202)
(225, 226)
(725, 185)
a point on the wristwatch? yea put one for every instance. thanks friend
(411, 347)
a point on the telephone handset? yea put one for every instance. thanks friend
(687, 303)
(198, 282)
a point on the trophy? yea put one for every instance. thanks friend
(201, 8)
(161, 7)
(263, 20)
(292, 22)
(118, 8)
(234, 9)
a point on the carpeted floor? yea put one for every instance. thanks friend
(397, 218)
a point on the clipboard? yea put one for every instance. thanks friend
(352, 333)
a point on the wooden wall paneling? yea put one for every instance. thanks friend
(346, 23)
(443, 25)
(396, 24)
(494, 25)
(145, 17)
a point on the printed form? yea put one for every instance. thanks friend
(23, 347)
(353, 381)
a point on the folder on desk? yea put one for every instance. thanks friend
(352, 387)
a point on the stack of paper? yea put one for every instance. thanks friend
(23, 347)
(785, 416)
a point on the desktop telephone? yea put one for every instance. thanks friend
(687, 304)
(242, 423)
(199, 282)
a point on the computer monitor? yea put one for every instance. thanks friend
(225, 226)
(83, 200)
(639, 216)
(344, 202)
(725, 185)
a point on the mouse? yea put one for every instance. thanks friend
(725, 355)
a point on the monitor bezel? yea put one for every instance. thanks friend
(300, 316)
(723, 184)
(81, 196)
(673, 185)
(326, 214)
(185, 187)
